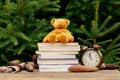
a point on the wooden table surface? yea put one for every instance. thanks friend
(36, 75)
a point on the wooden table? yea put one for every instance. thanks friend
(36, 75)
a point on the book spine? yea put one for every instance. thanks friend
(56, 52)
(41, 61)
(56, 56)
(54, 66)
(58, 44)
(54, 70)
(53, 46)
(63, 48)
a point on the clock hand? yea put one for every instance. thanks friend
(90, 56)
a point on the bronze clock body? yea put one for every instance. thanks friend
(91, 57)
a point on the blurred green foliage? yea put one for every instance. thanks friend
(20, 30)
(23, 23)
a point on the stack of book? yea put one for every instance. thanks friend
(57, 57)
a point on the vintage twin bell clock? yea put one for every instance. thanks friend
(91, 56)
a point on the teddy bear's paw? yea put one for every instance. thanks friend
(62, 38)
(52, 38)
(45, 40)
(71, 39)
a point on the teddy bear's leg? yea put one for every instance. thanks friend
(45, 40)
(52, 38)
(71, 38)
(62, 38)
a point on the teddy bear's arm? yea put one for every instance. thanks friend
(70, 36)
(51, 37)
(46, 38)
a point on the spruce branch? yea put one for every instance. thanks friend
(114, 51)
(116, 2)
(81, 39)
(93, 29)
(14, 40)
(20, 50)
(104, 42)
(85, 31)
(96, 18)
(110, 29)
(112, 44)
(104, 23)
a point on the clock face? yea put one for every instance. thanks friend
(91, 58)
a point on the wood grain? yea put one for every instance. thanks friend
(36, 75)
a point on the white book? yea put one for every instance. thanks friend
(71, 46)
(55, 66)
(59, 48)
(56, 52)
(54, 70)
(57, 61)
(58, 44)
(56, 56)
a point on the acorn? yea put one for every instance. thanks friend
(34, 58)
(36, 66)
(13, 63)
(29, 66)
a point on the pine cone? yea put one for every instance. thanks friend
(82, 68)
(109, 66)
(112, 66)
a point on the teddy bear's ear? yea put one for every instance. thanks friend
(52, 21)
(67, 22)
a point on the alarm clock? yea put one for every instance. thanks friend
(91, 56)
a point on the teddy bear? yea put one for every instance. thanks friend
(60, 33)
